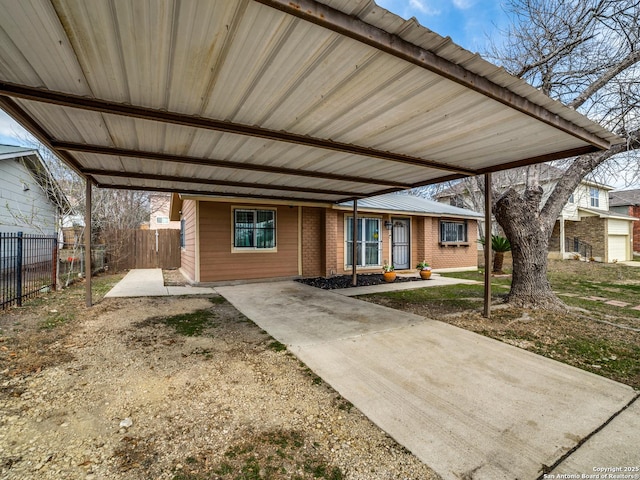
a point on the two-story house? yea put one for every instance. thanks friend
(159, 219)
(628, 202)
(586, 228)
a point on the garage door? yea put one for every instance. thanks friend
(618, 247)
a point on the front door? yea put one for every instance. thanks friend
(400, 247)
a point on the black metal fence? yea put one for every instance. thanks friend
(578, 246)
(28, 266)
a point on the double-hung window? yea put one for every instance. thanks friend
(368, 242)
(162, 220)
(254, 229)
(453, 231)
(594, 196)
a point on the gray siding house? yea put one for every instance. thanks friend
(30, 201)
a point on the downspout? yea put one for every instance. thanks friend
(487, 245)
(354, 246)
(87, 241)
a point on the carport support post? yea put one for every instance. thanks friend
(87, 242)
(354, 246)
(487, 245)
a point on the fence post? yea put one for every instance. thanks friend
(54, 265)
(19, 270)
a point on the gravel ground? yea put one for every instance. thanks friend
(173, 388)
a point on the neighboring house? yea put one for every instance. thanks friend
(627, 202)
(30, 200)
(227, 239)
(585, 227)
(159, 218)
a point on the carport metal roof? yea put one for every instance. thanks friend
(298, 100)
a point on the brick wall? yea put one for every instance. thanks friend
(332, 231)
(312, 242)
(450, 256)
(634, 211)
(592, 231)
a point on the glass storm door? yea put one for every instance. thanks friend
(401, 249)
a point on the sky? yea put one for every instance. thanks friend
(469, 23)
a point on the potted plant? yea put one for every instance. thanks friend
(424, 269)
(388, 273)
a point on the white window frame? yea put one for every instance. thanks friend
(255, 247)
(162, 220)
(594, 197)
(362, 221)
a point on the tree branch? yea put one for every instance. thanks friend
(605, 78)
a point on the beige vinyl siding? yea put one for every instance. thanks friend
(188, 254)
(219, 261)
(28, 211)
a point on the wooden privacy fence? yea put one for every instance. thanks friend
(144, 249)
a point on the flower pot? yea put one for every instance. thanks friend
(425, 274)
(389, 277)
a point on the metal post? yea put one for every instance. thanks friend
(354, 247)
(19, 270)
(87, 242)
(487, 245)
(54, 266)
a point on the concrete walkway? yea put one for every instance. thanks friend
(149, 282)
(435, 281)
(468, 406)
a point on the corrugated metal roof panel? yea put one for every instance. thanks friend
(253, 65)
(413, 204)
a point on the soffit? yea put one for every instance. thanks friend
(309, 101)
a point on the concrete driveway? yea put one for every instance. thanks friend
(468, 406)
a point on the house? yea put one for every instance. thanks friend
(30, 200)
(585, 227)
(227, 239)
(159, 219)
(627, 202)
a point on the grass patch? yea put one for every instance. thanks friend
(219, 300)
(189, 324)
(588, 337)
(57, 319)
(478, 276)
(270, 455)
(276, 346)
(435, 301)
(102, 284)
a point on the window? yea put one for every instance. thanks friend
(182, 240)
(571, 199)
(254, 229)
(368, 243)
(162, 220)
(453, 232)
(594, 195)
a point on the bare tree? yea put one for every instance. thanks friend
(115, 213)
(585, 54)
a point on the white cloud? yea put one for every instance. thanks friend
(423, 7)
(463, 4)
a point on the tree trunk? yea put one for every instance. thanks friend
(529, 236)
(498, 261)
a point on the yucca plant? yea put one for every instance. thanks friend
(499, 245)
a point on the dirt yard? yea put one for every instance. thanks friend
(172, 388)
